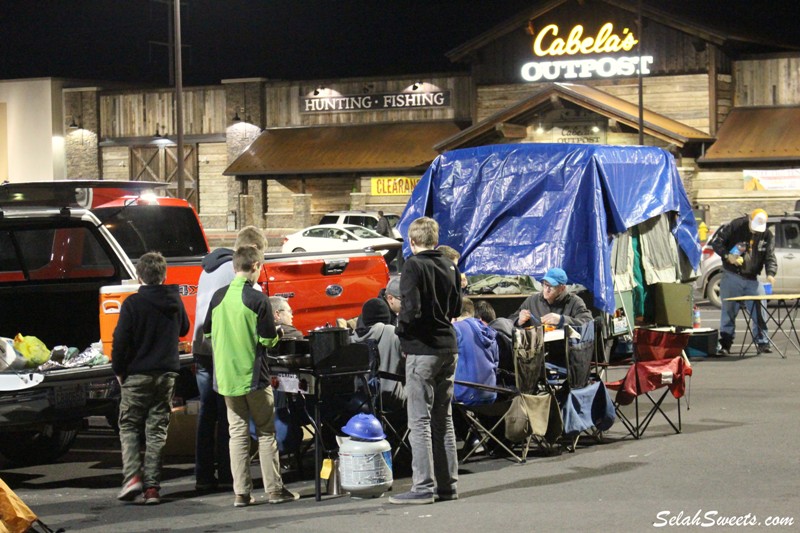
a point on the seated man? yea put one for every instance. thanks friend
(505, 332)
(478, 356)
(553, 306)
(389, 300)
(376, 317)
(289, 418)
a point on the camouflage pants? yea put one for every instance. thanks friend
(144, 412)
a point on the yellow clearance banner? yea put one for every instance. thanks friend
(393, 185)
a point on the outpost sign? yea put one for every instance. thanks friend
(547, 43)
(373, 102)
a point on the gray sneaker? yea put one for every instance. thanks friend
(282, 496)
(412, 498)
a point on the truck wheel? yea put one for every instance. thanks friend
(299, 250)
(36, 447)
(712, 291)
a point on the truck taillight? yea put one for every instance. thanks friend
(707, 252)
(285, 240)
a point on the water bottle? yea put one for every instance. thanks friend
(738, 251)
(695, 317)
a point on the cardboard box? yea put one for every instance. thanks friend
(181, 434)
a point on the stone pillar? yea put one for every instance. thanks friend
(302, 210)
(81, 133)
(247, 211)
(358, 201)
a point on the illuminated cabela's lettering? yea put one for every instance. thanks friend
(547, 42)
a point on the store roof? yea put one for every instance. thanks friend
(709, 32)
(525, 112)
(757, 134)
(338, 149)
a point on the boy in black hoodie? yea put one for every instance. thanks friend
(146, 363)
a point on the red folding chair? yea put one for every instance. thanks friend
(659, 363)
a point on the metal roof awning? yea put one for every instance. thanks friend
(757, 134)
(602, 103)
(341, 149)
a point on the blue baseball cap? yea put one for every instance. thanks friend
(555, 276)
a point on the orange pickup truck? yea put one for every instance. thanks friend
(61, 242)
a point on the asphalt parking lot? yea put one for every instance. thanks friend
(734, 463)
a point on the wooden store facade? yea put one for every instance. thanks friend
(280, 154)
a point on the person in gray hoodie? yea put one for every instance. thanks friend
(376, 318)
(212, 468)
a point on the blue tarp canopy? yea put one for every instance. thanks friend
(523, 208)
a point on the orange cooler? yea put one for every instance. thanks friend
(111, 298)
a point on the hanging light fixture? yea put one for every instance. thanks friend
(73, 125)
(158, 132)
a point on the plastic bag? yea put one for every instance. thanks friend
(31, 349)
(10, 359)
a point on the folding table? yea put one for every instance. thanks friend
(781, 315)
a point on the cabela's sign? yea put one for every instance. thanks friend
(372, 102)
(547, 43)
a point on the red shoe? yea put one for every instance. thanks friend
(131, 489)
(151, 496)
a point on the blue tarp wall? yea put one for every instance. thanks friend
(523, 208)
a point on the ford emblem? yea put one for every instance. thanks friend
(334, 290)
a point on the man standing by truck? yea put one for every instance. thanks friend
(430, 289)
(746, 248)
(212, 467)
(146, 363)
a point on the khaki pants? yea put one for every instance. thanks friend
(259, 406)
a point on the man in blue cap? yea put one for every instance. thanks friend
(553, 306)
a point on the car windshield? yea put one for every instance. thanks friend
(363, 233)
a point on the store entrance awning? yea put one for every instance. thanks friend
(752, 134)
(403, 147)
(595, 100)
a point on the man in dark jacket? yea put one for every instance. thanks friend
(553, 306)
(431, 296)
(146, 363)
(745, 248)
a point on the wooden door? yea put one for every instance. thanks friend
(160, 164)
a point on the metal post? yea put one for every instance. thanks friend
(641, 93)
(179, 97)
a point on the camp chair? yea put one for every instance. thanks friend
(586, 407)
(520, 416)
(659, 362)
(393, 417)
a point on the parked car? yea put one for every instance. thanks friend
(786, 230)
(336, 237)
(368, 219)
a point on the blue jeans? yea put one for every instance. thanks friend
(733, 285)
(429, 392)
(211, 449)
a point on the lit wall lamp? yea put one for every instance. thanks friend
(73, 125)
(236, 117)
(318, 90)
(539, 129)
(158, 132)
(595, 129)
(417, 85)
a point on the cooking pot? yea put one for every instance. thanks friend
(325, 341)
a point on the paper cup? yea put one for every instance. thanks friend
(767, 288)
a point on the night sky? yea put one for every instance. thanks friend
(116, 40)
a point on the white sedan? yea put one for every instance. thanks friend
(336, 237)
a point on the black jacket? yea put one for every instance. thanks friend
(571, 307)
(430, 289)
(146, 337)
(760, 252)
